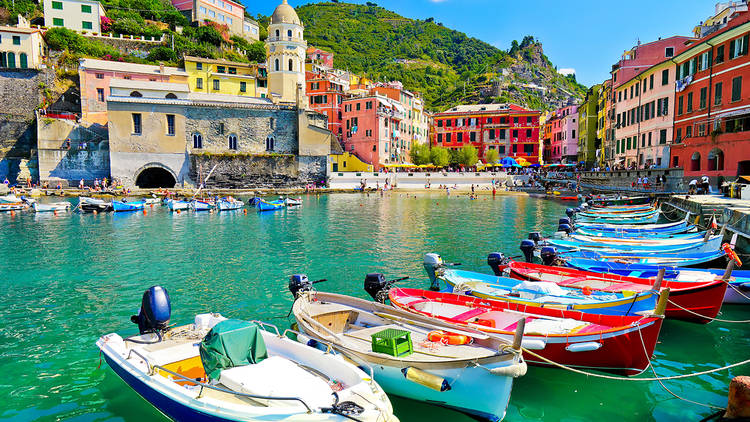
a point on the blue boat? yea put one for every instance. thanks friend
(548, 295)
(121, 206)
(673, 259)
(615, 245)
(677, 227)
(269, 206)
(645, 234)
(652, 217)
(738, 292)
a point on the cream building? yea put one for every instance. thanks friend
(21, 47)
(77, 15)
(286, 48)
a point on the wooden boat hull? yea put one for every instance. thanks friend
(119, 206)
(678, 227)
(667, 246)
(610, 343)
(11, 207)
(671, 259)
(175, 205)
(645, 219)
(60, 206)
(229, 205)
(269, 206)
(201, 206)
(688, 301)
(638, 200)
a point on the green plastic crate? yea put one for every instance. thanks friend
(392, 342)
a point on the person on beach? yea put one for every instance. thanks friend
(705, 184)
(80, 184)
(6, 182)
(692, 186)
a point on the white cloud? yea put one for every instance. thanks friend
(567, 71)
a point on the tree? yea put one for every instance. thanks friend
(162, 53)
(420, 154)
(468, 156)
(209, 34)
(491, 156)
(439, 156)
(257, 52)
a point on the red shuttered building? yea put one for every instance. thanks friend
(712, 103)
(510, 129)
(325, 95)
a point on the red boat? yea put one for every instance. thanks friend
(702, 299)
(610, 343)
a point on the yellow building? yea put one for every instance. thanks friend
(21, 47)
(603, 124)
(221, 77)
(348, 162)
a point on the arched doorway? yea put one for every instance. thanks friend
(155, 177)
(695, 161)
(716, 159)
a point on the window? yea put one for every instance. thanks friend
(99, 76)
(232, 142)
(58, 22)
(651, 81)
(515, 133)
(689, 102)
(199, 83)
(679, 104)
(702, 129)
(663, 136)
(703, 61)
(368, 105)
(737, 88)
(702, 100)
(664, 77)
(678, 136)
(528, 133)
(243, 86)
(199, 66)
(137, 129)
(515, 120)
(100, 94)
(216, 85)
(276, 64)
(720, 54)
(212, 13)
(203, 10)
(573, 134)
(86, 25)
(502, 134)
(440, 123)
(85, 8)
(291, 65)
(136, 94)
(359, 106)
(665, 106)
(229, 20)
(619, 97)
(688, 131)
(289, 33)
(649, 138)
(738, 47)
(472, 136)
(460, 137)
(440, 137)
(528, 120)
(448, 137)
(170, 96)
(170, 124)
(220, 69)
(669, 52)
(717, 93)
(57, 5)
(197, 140)
(16, 40)
(528, 149)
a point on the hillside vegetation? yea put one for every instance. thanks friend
(446, 66)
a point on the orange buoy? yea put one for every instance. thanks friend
(178, 211)
(244, 211)
(586, 290)
(12, 213)
(152, 205)
(453, 339)
(54, 212)
(145, 212)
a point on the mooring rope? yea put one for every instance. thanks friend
(706, 317)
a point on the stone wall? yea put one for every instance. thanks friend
(251, 126)
(313, 169)
(87, 156)
(623, 179)
(234, 171)
(134, 47)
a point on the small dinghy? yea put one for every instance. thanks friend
(53, 207)
(177, 205)
(122, 206)
(608, 343)
(269, 206)
(10, 199)
(474, 375)
(12, 207)
(201, 205)
(293, 202)
(219, 369)
(86, 204)
(229, 204)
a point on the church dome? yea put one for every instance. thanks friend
(285, 13)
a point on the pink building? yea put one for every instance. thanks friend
(555, 148)
(371, 130)
(95, 76)
(225, 12)
(319, 56)
(643, 96)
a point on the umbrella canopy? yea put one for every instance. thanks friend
(508, 162)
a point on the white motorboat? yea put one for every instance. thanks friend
(230, 370)
(53, 207)
(229, 204)
(88, 204)
(292, 202)
(177, 205)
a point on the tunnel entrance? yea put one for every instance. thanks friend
(155, 177)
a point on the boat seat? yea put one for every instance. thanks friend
(468, 315)
(278, 377)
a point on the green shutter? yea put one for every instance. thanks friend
(85, 8)
(744, 44)
(23, 61)
(57, 22)
(86, 25)
(731, 49)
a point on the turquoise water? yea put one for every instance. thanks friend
(68, 279)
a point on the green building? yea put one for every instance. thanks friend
(588, 117)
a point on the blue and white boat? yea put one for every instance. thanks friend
(270, 206)
(122, 206)
(200, 205)
(738, 292)
(614, 245)
(277, 379)
(474, 376)
(177, 205)
(670, 259)
(546, 294)
(642, 234)
(645, 218)
(676, 227)
(229, 204)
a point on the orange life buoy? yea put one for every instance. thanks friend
(453, 339)
(731, 254)
(587, 290)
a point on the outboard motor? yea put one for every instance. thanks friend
(564, 228)
(497, 261)
(377, 286)
(563, 221)
(527, 247)
(432, 263)
(577, 209)
(536, 237)
(548, 254)
(298, 284)
(570, 212)
(155, 311)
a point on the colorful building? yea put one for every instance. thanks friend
(224, 12)
(723, 13)
(21, 47)
(95, 77)
(588, 118)
(568, 128)
(604, 122)
(77, 15)
(510, 129)
(712, 110)
(371, 130)
(545, 135)
(346, 161)
(286, 51)
(321, 57)
(325, 94)
(212, 76)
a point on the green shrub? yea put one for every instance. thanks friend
(161, 53)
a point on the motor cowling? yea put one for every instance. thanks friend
(298, 284)
(432, 263)
(570, 212)
(156, 309)
(535, 236)
(527, 247)
(548, 255)
(563, 221)
(377, 286)
(577, 209)
(564, 228)
(497, 261)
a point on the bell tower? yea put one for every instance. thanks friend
(286, 49)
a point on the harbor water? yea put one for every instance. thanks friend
(69, 278)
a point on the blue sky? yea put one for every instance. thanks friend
(588, 35)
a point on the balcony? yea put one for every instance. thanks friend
(288, 39)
